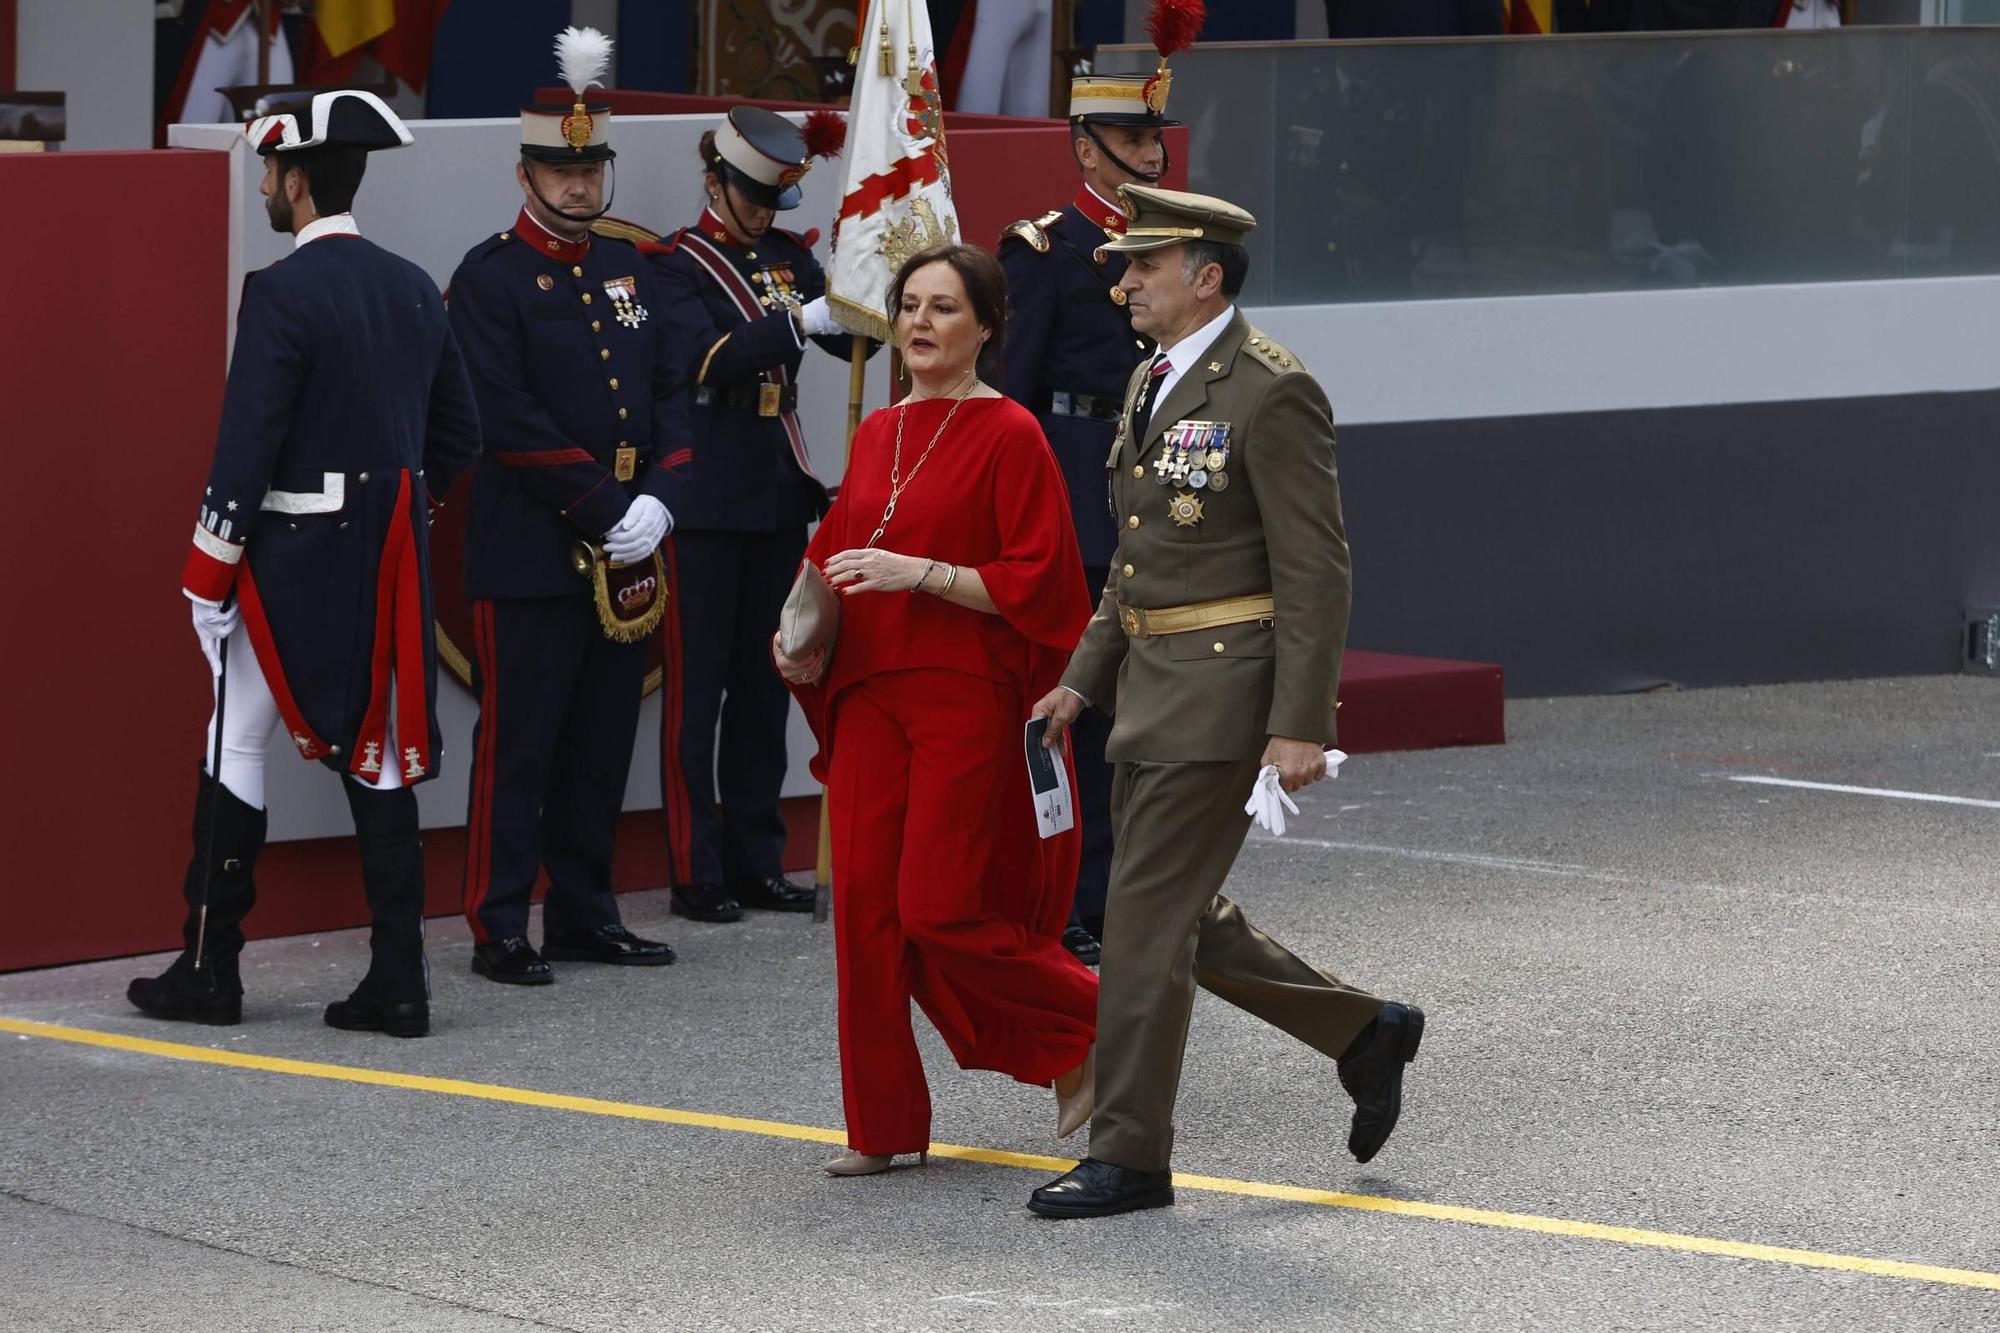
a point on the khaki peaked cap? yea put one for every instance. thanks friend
(1170, 217)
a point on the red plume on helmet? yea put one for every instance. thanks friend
(826, 132)
(1174, 25)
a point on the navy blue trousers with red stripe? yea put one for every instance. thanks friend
(728, 590)
(558, 714)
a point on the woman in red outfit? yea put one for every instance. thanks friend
(952, 551)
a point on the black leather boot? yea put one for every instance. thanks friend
(394, 997)
(212, 993)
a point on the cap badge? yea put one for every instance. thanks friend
(577, 127)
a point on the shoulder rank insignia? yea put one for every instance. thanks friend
(1035, 231)
(1278, 357)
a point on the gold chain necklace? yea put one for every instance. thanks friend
(898, 483)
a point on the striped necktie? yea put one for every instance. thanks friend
(1154, 379)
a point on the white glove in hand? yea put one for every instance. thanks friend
(642, 529)
(213, 625)
(1269, 801)
(816, 318)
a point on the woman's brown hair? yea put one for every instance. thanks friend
(985, 287)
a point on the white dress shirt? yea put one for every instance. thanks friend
(333, 224)
(1186, 354)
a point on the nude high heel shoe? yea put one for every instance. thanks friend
(1073, 1108)
(852, 1163)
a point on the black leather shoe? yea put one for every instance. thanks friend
(706, 902)
(606, 944)
(1083, 944)
(513, 961)
(1372, 1073)
(398, 1020)
(774, 893)
(1100, 1189)
(182, 995)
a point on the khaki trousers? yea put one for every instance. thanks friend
(1167, 929)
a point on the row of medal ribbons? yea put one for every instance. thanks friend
(1194, 454)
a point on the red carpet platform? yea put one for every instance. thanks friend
(1391, 702)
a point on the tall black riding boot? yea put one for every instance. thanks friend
(395, 995)
(212, 993)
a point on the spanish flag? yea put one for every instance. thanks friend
(346, 24)
(398, 33)
(1526, 17)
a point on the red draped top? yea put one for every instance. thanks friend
(990, 497)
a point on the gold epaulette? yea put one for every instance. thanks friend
(1034, 230)
(1276, 358)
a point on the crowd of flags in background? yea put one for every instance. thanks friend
(214, 43)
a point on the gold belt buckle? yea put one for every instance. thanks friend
(1130, 616)
(625, 463)
(769, 396)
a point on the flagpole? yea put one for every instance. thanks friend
(857, 377)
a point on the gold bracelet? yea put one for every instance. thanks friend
(950, 577)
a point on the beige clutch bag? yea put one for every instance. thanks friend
(810, 617)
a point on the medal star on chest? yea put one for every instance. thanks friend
(624, 297)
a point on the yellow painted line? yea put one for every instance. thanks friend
(1367, 1203)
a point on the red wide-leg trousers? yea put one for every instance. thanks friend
(943, 893)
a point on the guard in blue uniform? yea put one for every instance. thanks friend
(586, 442)
(746, 295)
(1070, 353)
(347, 409)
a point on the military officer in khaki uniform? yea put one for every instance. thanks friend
(1217, 647)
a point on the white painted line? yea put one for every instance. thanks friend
(1926, 907)
(1870, 791)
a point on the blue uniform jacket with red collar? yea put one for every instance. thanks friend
(347, 406)
(1066, 334)
(740, 349)
(567, 347)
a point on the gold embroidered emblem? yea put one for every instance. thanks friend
(918, 231)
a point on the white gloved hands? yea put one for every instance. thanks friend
(816, 318)
(213, 625)
(644, 527)
(1269, 802)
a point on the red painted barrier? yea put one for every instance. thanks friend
(111, 379)
(111, 365)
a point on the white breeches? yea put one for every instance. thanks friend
(1007, 66)
(250, 715)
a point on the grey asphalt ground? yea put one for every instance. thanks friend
(1657, 998)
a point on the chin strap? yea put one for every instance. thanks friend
(1149, 177)
(580, 219)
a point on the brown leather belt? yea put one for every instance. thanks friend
(1140, 623)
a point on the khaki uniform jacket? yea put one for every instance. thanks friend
(1220, 693)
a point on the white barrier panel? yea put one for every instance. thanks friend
(430, 203)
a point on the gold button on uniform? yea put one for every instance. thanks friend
(614, 381)
(1132, 522)
(621, 414)
(586, 298)
(596, 327)
(1128, 571)
(1139, 470)
(576, 271)
(1218, 647)
(604, 354)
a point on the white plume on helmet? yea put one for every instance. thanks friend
(584, 57)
